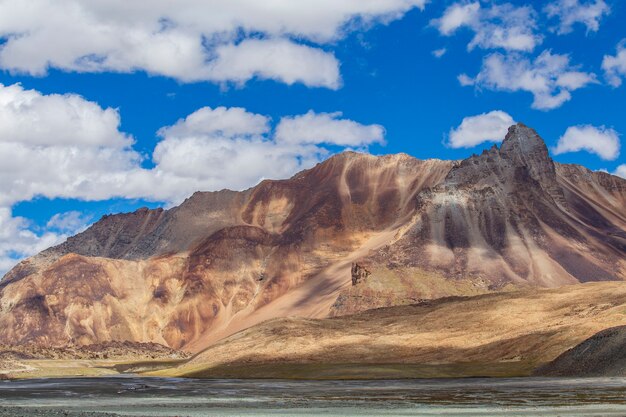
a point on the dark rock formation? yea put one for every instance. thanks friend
(359, 273)
(603, 354)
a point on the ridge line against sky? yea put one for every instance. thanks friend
(106, 106)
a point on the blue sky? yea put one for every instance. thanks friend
(106, 108)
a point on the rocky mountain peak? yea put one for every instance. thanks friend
(522, 138)
(524, 147)
(522, 159)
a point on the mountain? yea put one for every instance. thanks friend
(354, 232)
(509, 216)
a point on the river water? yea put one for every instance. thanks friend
(129, 396)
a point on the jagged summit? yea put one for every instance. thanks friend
(222, 261)
(525, 148)
(523, 138)
(522, 160)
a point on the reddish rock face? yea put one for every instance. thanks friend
(225, 260)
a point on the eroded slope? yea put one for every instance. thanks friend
(224, 261)
(507, 217)
(518, 330)
(189, 275)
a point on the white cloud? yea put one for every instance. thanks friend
(280, 60)
(82, 154)
(465, 80)
(438, 53)
(29, 118)
(620, 171)
(18, 241)
(549, 77)
(502, 26)
(230, 122)
(458, 15)
(570, 12)
(54, 146)
(217, 148)
(327, 128)
(58, 146)
(190, 40)
(486, 127)
(68, 222)
(601, 141)
(236, 149)
(615, 66)
(63, 146)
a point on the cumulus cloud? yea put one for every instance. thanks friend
(328, 128)
(230, 147)
(68, 222)
(58, 146)
(570, 12)
(18, 241)
(216, 148)
(615, 66)
(63, 146)
(230, 122)
(189, 40)
(279, 60)
(620, 171)
(28, 117)
(502, 26)
(601, 141)
(485, 127)
(550, 78)
(457, 15)
(54, 146)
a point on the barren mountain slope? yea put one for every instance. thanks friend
(221, 262)
(514, 331)
(507, 217)
(201, 270)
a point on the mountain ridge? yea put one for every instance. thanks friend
(223, 261)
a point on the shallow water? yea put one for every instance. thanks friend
(183, 397)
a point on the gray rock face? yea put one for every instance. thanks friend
(522, 160)
(524, 148)
(145, 233)
(603, 354)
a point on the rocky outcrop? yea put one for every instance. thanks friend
(223, 261)
(602, 355)
(359, 273)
